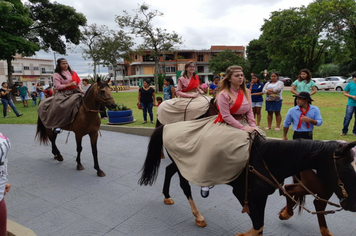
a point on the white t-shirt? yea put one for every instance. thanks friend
(4, 148)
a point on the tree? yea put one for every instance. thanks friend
(227, 58)
(115, 46)
(257, 56)
(155, 39)
(39, 24)
(91, 36)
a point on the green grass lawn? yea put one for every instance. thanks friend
(331, 104)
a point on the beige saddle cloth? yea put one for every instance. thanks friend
(207, 153)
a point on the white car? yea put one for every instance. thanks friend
(341, 85)
(336, 79)
(321, 83)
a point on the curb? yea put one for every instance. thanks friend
(18, 230)
(142, 131)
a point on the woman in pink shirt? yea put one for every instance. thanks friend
(60, 109)
(190, 103)
(234, 103)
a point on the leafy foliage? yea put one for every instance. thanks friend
(227, 58)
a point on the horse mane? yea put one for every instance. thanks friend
(280, 150)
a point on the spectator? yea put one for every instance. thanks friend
(147, 98)
(34, 98)
(214, 86)
(33, 87)
(303, 84)
(159, 101)
(22, 91)
(6, 100)
(256, 88)
(4, 185)
(203, 85)
(85, 85)
(169, 91)
(350, 92)
(273, 91)
(40, 92)
(49, 92)
(303, 116)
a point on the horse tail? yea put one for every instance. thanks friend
(301, 200)
(153, 158)
(41, 133)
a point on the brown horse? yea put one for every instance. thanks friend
(86, 122)
(312, 182)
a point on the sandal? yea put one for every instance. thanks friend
(145, 122)
(267, 128)
(277, 129)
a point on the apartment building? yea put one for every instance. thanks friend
(143, 66)
(28, 70)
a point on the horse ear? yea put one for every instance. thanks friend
(109, 80)
(348, 147)
(98, 80)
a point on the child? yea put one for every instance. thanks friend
(34, 98)
(159, 101)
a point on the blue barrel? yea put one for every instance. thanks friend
(120, 117)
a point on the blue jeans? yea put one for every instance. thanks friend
(348, 116)
(6, 102)
(147, 107)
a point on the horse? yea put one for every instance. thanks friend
(272, 159)
(85, 122)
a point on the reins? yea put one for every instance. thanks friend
(185, 109)
(276, 185)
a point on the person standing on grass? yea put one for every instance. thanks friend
(6, 100)
(147, 98)
(22, 91)
(256, 88)
(350, 92)
(304, 83)
(304, 117)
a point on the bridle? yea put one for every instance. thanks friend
(99, 96)
(339, 182)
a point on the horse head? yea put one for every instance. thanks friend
(344, 175)
(103, 94)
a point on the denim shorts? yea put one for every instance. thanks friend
(273, 105)
(23, 98)
(257, 104)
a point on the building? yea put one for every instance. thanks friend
(143, 67)
(28, 70)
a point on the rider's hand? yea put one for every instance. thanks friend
(195, 95)
(250, 129)
(74, 83)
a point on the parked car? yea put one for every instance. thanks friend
(341, 85)
(286, 81)
(336, 79)
(321, 83)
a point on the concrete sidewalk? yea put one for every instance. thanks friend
(53, 198)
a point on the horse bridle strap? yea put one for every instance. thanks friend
(87, 109)
(339, 182)
(279, 186)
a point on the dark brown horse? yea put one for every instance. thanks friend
(333, 161)
(86, 122)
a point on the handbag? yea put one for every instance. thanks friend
(139, 106)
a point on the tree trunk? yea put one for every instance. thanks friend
(9, 78)
(156, 58)
(94, 70)
(115, 79)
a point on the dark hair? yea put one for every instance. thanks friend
(276, 73)
(256, 75)
(86, 80)
(159, 99)
(201, 79)
(353, 74)
(216, 77)
(147, 81)
(169, 80)
(308, 75)
(59, 69)
(2, 84)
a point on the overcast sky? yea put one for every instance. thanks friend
(201, 23)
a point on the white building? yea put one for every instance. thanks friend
(28, 70)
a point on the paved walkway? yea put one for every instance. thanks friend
(53, 198)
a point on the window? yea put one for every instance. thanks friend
(170, 69)
(200, 69)
(26, 68)
(36, 68)
(200, 57)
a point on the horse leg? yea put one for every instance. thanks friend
(257, 207)
(184, 184)
(93, 141)
(320, 206)
(170, 171)
(52, 137)
(78, 139)
(293, 190)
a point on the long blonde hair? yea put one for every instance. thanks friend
(225, 84)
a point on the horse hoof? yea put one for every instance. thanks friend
(101, 174)
(200, 223)
(58, 157)
(80, 167)
(168, 201)
(284, 215)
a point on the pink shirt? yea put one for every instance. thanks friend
(224, 104)
(183, 83)
(59, 82)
